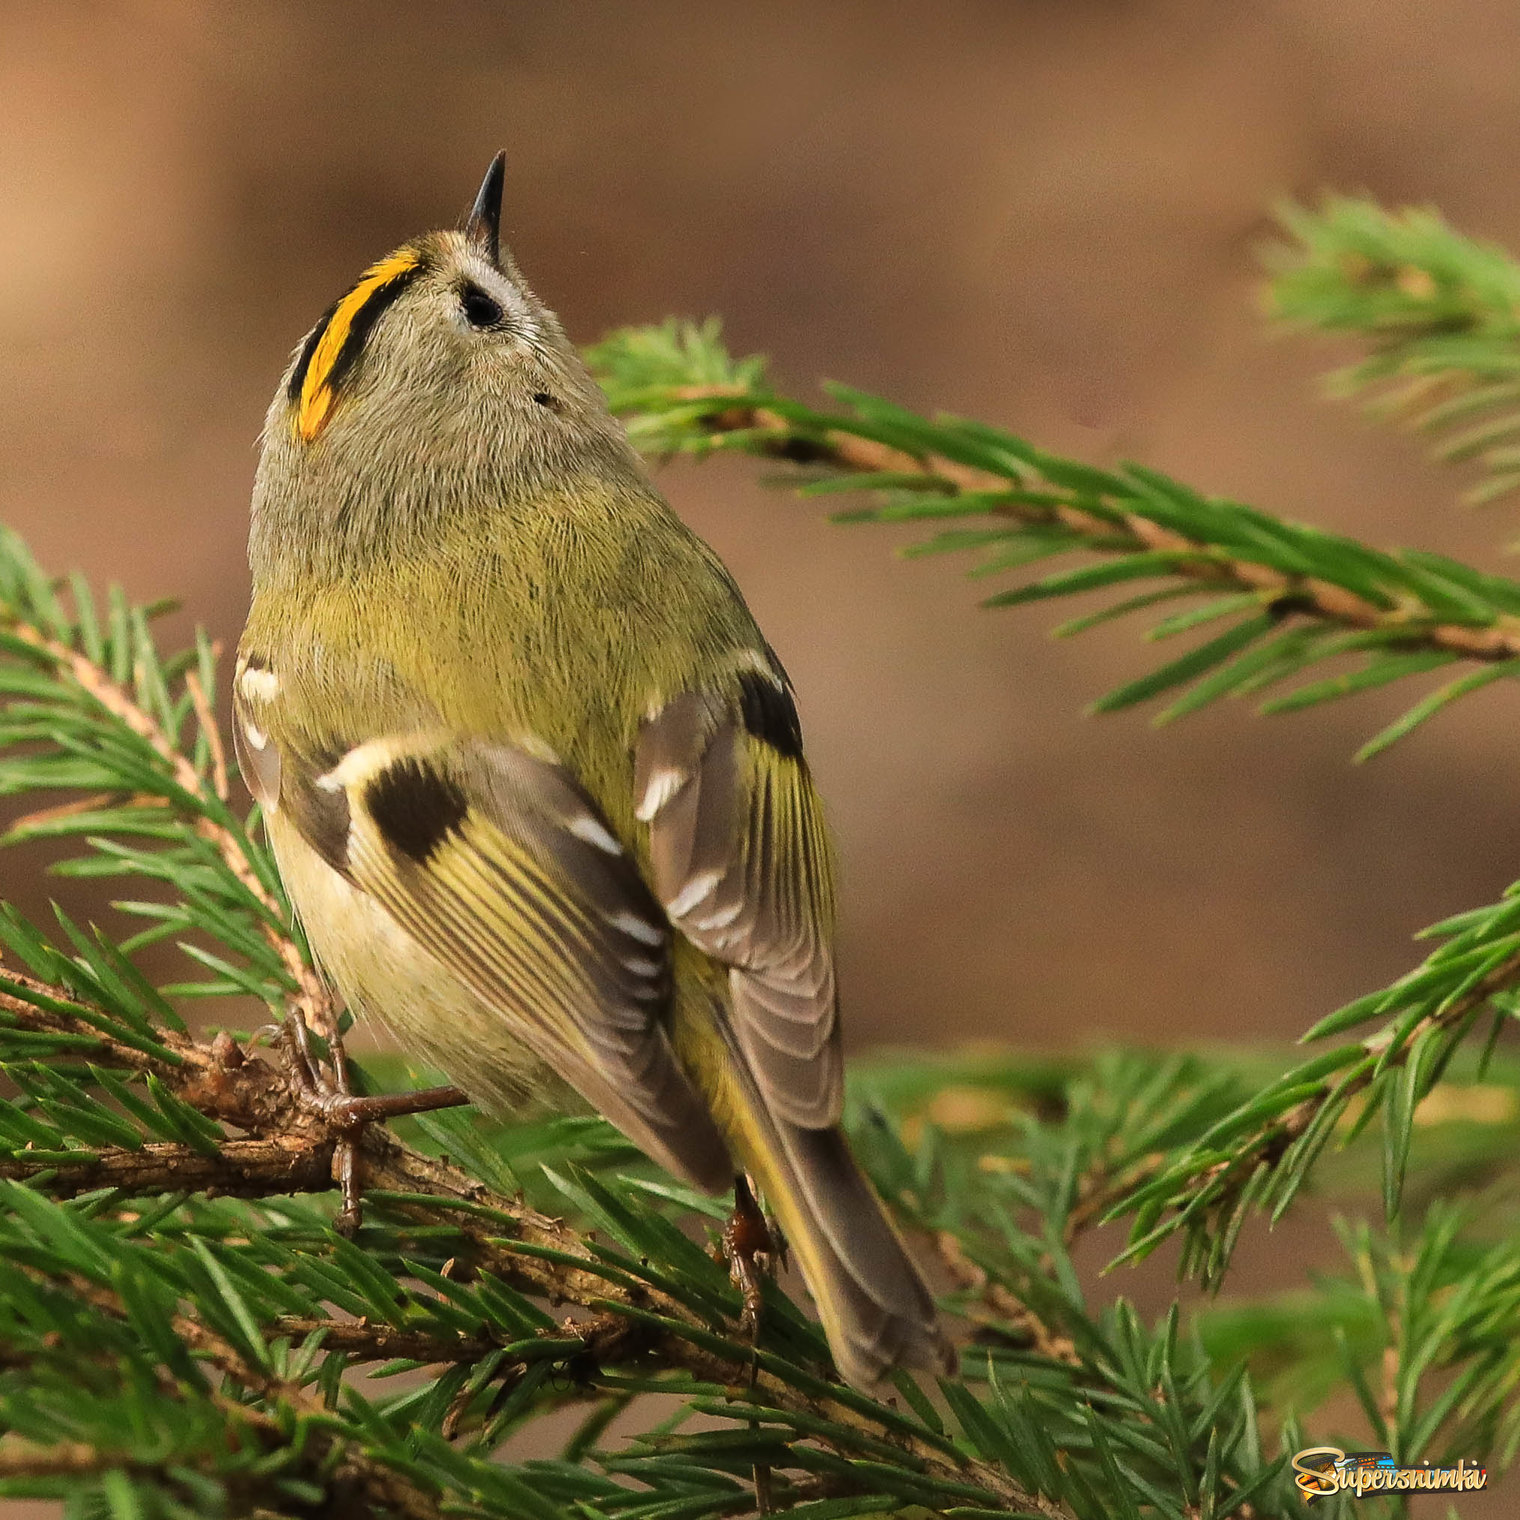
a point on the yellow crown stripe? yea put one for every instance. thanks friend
(316, 387)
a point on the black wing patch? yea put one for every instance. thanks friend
(416, 807)
(770, 714)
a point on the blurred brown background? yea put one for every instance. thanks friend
(1040, 214)
(1043, 214)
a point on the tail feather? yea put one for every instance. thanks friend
(875, 1307)
(873, 1302)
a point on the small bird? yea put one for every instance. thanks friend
(533, 777)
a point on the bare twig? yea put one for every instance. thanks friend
(62, 1459)
(364, 1342)
(1099, 1190)
(239, 1168)
(79, 805)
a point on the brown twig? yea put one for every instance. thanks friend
(1099, 1190)
(1005, 1311)
(212, 730)
(20, 1458)
(79, 805)
(238, 1168)
(1315, 598)
(365, 1342)
(215, 1078)
(116, 700)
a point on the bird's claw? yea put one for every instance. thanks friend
(750, 1247)
(322, 1088)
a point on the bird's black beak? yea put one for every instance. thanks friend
(483, 226)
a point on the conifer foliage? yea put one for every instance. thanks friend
(531, 1320)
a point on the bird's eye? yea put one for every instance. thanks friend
(480, 309)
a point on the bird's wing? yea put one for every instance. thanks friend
(743, 866)
(498, 863)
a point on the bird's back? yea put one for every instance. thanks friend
(507, 655)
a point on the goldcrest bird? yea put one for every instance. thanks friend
(533, 777)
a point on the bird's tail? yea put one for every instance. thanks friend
(873, 1302)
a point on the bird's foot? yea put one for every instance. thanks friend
(752, 1248)
(323, 1088)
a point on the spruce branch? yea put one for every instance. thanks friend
(637, 1322)
(1290, 597)
(1261, 1152)
(1438, 312)
(351, 1473)
(187, 786)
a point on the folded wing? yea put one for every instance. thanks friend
(499, 863)
(743, 867)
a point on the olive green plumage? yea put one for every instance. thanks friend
(532, 774)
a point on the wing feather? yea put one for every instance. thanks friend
(742, 864)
